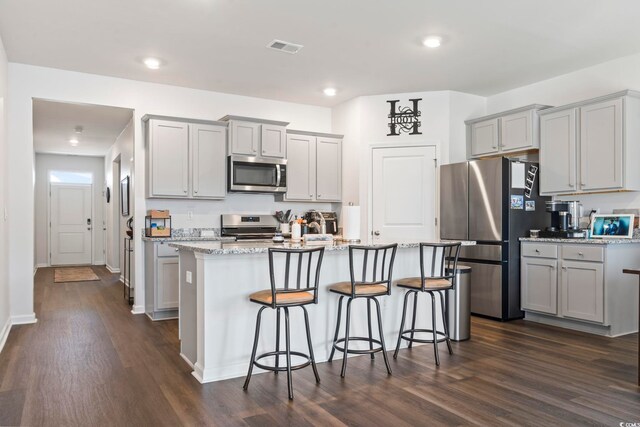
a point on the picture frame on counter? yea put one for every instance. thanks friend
(612, 226)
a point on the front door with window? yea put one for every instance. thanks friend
(71, 224)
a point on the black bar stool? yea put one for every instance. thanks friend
(306, 274)
(441, 277)
(380, 271)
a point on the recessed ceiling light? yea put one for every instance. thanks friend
(74, 142)
(152, 63)
(432, 41)
(330, 91)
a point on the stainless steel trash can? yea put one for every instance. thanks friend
(459, 305)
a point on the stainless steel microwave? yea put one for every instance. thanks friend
(256, 175)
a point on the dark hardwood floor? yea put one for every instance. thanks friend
(88, 361)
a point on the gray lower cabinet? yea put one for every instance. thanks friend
(582, 290)
(580, 286)
(539, 284)
(162, 275)
(314, 167)
(186, 159)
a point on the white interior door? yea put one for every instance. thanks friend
(404, 194)
(71, 223)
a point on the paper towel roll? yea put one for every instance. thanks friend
(351, 222)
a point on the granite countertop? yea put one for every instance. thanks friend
(188, 239)
(236, 248)
(580, 241)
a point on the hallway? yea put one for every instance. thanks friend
(88, 361)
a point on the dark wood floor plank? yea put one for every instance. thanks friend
(89, 361)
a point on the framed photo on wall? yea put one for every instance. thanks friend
(124, 196)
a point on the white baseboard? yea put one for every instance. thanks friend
(4, 333)
(137, 309)
(112, 269)
(24, 319)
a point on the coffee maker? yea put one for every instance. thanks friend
(565, 218)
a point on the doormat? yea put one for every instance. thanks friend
(74, 274)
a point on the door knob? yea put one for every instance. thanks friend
(376, 233)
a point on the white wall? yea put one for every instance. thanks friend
(601, 79)
(4, 177)
(56, 162)
(364, 123)
(28, 82)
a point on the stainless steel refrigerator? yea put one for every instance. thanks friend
(484, 200)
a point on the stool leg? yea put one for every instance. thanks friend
(335, 336)
(384, 347)
(444, 321)
(288, 343)
(346, 339)
(404, 312)
(253, 352)
(413, 321)
(434, 327)
(311, 356)
(277, 339)
(369, 324)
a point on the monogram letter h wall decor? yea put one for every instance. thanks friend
(404, 119)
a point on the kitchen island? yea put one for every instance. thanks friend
(217, 321)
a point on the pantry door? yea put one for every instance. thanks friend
(71, 224)
(404, 194)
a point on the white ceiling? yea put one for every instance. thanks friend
(54, 125)
(361, 47)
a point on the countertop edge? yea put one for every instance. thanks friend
(581, 241)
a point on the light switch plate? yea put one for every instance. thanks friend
(189, 278)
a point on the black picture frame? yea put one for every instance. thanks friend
(124, 196)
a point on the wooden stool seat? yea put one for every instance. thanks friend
(365, 289)
(429, 284)
(282, 298)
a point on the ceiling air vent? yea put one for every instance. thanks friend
(283, 46)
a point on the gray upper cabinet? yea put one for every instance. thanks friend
(590, 146)
(257, 137)
(314, 167)
(601, 153)
(329, 169)
(186, 159)
(273, 141)
(484, 137)
(244, 138)
(558, 152)
(208, 171)
(507, 132)
(301, 167)
(169, 150)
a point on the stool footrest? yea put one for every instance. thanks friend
(441, 337)
(282, 368)
(354, 351)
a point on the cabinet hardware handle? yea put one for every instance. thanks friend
(537, 251)
(580, 253)
(177, 249)
(319, 195)
(310, 195)
(564, 268)
(376, 233)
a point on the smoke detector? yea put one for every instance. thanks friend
(286, 47)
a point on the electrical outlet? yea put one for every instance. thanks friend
(189, 278)
(190, 215)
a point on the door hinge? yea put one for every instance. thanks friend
(436, 162)
(436, 221)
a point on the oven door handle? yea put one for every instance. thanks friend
(278, 175)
